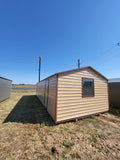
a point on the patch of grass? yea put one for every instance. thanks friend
(23, 91)
(46, 123)
(93, 139)
(96, 124)
(67, 144)
(32, 134)
(66, 129)
(115, 111)
(92, 120)
(109, 133)
(29, 110)
(44, 139)
(88, 120)
(61, 128)
(78, 128)
(101, 136)
(89, 131)
(75, 155)
(93, 117)
(23, 85)
(69, 131)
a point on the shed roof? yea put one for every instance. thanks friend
(78, 69)
(5, 78)
(114, 80)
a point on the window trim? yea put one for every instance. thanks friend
(93, 88)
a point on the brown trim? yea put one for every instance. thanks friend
(81, 117)
(78, 69)
(82, 69)
(56, 99)
(93, 88)
(108, 96)
(48, 77)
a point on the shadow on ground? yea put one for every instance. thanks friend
(29, 110)
(114, 111)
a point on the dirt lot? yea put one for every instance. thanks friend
(28, 132)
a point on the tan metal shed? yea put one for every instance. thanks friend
(74, 94)
(5, 88)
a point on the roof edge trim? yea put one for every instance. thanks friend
(5, 79)
(76, 70)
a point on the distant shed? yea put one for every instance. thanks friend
(74, 94)
(114, 92)
(5, 88)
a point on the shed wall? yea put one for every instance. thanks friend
(46, 92)
(70, 102)
(5, 89)
(114, 94)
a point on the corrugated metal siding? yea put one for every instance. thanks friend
(114, 94)
(52, 96)
(40, 91)
(5, 89)
(70, 102)
(46, 92)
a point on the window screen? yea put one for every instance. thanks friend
(88, 87)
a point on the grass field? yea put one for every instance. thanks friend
(23, 88)
(28, 132)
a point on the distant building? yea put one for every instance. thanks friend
(5, 88)
(114, 80)
(74, 94)
(114, 92)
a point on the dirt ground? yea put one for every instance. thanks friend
(27, 132)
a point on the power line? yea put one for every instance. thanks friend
(115, 45)
(107, 52)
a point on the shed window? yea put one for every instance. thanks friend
(88, 87)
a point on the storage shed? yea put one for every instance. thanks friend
(74, 94)
(5, 88)
(114, 92)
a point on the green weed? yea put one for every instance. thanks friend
(93, 139)
(75, 155)
(78, 128)
(115, 112)
(109, 133)
(67, 144)
(69, 131)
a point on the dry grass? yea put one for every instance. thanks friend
(28, 132)
(23, 88)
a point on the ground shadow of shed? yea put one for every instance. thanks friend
(29, 110)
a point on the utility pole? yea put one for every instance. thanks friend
(39, 66)
(78, 63)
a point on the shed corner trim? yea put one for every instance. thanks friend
(56, 99)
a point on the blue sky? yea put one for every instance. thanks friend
(61, 31)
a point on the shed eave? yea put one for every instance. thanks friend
(78, 69)
(5, 79)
